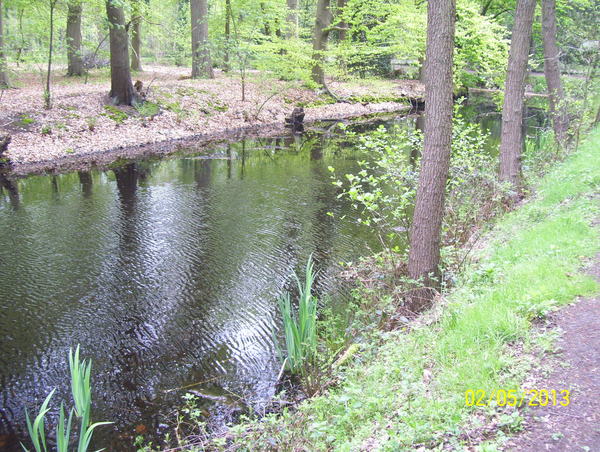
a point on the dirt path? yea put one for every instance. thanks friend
(575, 427)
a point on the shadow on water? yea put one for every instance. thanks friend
(167, 273)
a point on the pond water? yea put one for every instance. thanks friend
(167, 274)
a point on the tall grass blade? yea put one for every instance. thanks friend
(37, 430)
(62, 435)
(300, 331)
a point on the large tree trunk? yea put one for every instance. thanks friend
(75, 67)
(558, 105)
(121, 87)
(425, 236)
(201, 62)
(292, 19)
(4, 78)
(136, 36)
(512, 111)
(322, 29)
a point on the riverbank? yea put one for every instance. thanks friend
(84, 128)
(450, 381)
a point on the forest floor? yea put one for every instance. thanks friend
(83, 125)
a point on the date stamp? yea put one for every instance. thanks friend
(512, 397)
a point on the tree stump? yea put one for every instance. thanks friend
(296, 119)
(4, 142)
(139, 87)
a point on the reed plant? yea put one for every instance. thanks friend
(301, 329)
(82, 397)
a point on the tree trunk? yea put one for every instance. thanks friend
(75, 67)
(292, 19)
(136, 37)
(47, 96)
(121, 87)
(558, 105)
(322, 24)
(512, 110)
(342, 24)
(226, 66)
(201, 62)
(4, 77)
(425, 236)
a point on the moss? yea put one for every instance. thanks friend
(115, 114)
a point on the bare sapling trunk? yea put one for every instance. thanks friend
(512, 110)
(4, 77)
(226, 65)
(136, 36)
(558, 105)
(425, 236)
(121, 87)
(74, 57)
(47, 96)
(201, 61)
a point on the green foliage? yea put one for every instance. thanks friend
(115, 114)
(301, 329)
(384, 190)
(37, 430)
(481, 53)
(82, 395)
(147, 109)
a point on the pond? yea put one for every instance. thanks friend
(167, 274)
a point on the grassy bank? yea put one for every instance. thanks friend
(406, 390)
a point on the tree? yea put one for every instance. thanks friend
(4, 77)
(322, 29)
(512, 110)
(340, 10)
(425, 236)
(136, 41)
(136, 37)
(47, 96)
(292, 19)
(121, 87)
(201, 61)
(558, 106)
(226, 66)
(75, 61)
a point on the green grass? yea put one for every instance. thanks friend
(407, 390)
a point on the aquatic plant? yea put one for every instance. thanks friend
(301, 329)
(82, 396)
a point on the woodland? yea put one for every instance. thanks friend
(226, 64)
